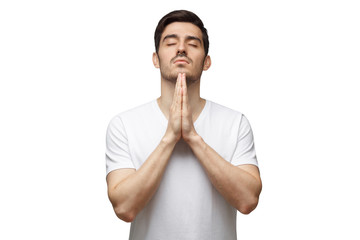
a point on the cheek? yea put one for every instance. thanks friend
(164, 58)
(199, 57)
(200, 62)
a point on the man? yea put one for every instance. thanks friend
(180, 166)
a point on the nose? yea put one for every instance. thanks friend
(181, 52)
(181, 49)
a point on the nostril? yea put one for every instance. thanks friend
(181, 53)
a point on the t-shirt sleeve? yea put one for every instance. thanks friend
(117, 153)
(245, 148)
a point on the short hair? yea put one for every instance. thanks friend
(181, 16)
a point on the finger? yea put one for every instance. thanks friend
(185, 93)
(176, 89)
(178, 93)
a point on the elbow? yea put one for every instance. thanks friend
(248, 207)
(124, 214)
(122, 209)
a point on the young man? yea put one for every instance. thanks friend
(180, 166)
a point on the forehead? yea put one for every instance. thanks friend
(182, 29)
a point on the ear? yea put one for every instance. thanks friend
(155, 59)
(207, 63)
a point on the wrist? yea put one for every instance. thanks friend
(169, 140)
(193, 138)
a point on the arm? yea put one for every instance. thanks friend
(129, 191)
(240, 185)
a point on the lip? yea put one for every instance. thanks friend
(181, 61)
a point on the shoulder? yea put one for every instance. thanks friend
(220, 113)
(133, 114)
(216, 109)
(136, 111)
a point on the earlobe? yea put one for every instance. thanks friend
(155, 59)
(207, 63)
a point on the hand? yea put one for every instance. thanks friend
(173, 131)
(187, 126)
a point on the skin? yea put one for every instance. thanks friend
(129, 190)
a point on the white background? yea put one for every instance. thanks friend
(67, 67)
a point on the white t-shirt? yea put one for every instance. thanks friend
(185, 206)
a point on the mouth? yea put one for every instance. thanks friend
(181, 61)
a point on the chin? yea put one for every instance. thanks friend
(173, 75)
(181, 69)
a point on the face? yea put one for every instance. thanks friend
(181, 49)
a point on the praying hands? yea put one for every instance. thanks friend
(180, 124)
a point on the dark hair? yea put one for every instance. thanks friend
(181, 16)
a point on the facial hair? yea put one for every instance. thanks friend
(191, 78)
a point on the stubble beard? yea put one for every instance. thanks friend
(170, 76)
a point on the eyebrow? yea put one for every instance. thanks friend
(187, 37)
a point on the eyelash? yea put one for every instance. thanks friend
(171, 44)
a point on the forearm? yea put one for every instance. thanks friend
(131, 195)
(240, 188)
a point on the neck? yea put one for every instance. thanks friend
(167, 93)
